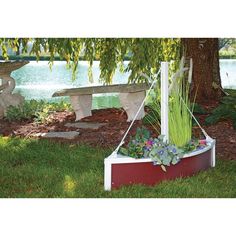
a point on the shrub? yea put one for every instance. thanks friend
(37, 110)
(226, 110)
(198, 109)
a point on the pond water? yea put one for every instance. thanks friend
(37, 81)
(228, 73)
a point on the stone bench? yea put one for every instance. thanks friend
(130, 95)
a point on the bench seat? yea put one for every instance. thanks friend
(115, 88)
(130, 95)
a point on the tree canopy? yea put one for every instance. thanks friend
(143, 54)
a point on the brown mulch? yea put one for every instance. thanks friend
(112, 132)
(108, 135)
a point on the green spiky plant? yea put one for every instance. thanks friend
(180, 120)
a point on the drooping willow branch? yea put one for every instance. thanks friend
(142, 54)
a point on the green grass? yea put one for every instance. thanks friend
(32, 168)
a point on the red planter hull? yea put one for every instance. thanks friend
(149, 174)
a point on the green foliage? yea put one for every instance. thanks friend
(152, 117)
(180, 120)
(147, 53)
(226, 110)
(198, 109)
(164, 154)
(143, 146)
(226, 42)
(42, 115)
(144, 54)
(137, 143)
(227, 48)
(37, 110)
(231, 92)
(24, 112)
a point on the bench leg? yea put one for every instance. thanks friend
(82, 105)
(131, 103)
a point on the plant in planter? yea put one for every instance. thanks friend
(136, 144)
(180, 120)
(142, 145)
(162, 153)
(180, 128)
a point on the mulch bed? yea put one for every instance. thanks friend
(112, 132)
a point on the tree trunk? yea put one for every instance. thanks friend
(206, 82)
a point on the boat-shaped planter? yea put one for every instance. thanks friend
(123, 170)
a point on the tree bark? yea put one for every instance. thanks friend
(206, 82)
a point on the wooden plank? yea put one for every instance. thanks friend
(115, 88)
(148, 174)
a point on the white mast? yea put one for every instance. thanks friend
(164, 101)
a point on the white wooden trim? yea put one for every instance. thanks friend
(107, 174)
(213, 153)
(115, 158)
(118, 158)
(164, 100)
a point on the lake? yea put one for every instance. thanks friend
(36, 81)
(228, 73)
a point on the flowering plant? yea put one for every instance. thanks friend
(161, 152)
(194, 145)
(144, 146)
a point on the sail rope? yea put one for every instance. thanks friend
(142, 104)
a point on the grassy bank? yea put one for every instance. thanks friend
(31, 168)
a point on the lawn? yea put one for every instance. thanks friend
(39, 168)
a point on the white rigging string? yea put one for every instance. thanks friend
(203, 130)
(142, 104)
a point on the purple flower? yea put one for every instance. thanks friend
(161, 152)
(200, 147)
(147, 148)
(149, 143)
(174, 150)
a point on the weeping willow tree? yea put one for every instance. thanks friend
(143, 54)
